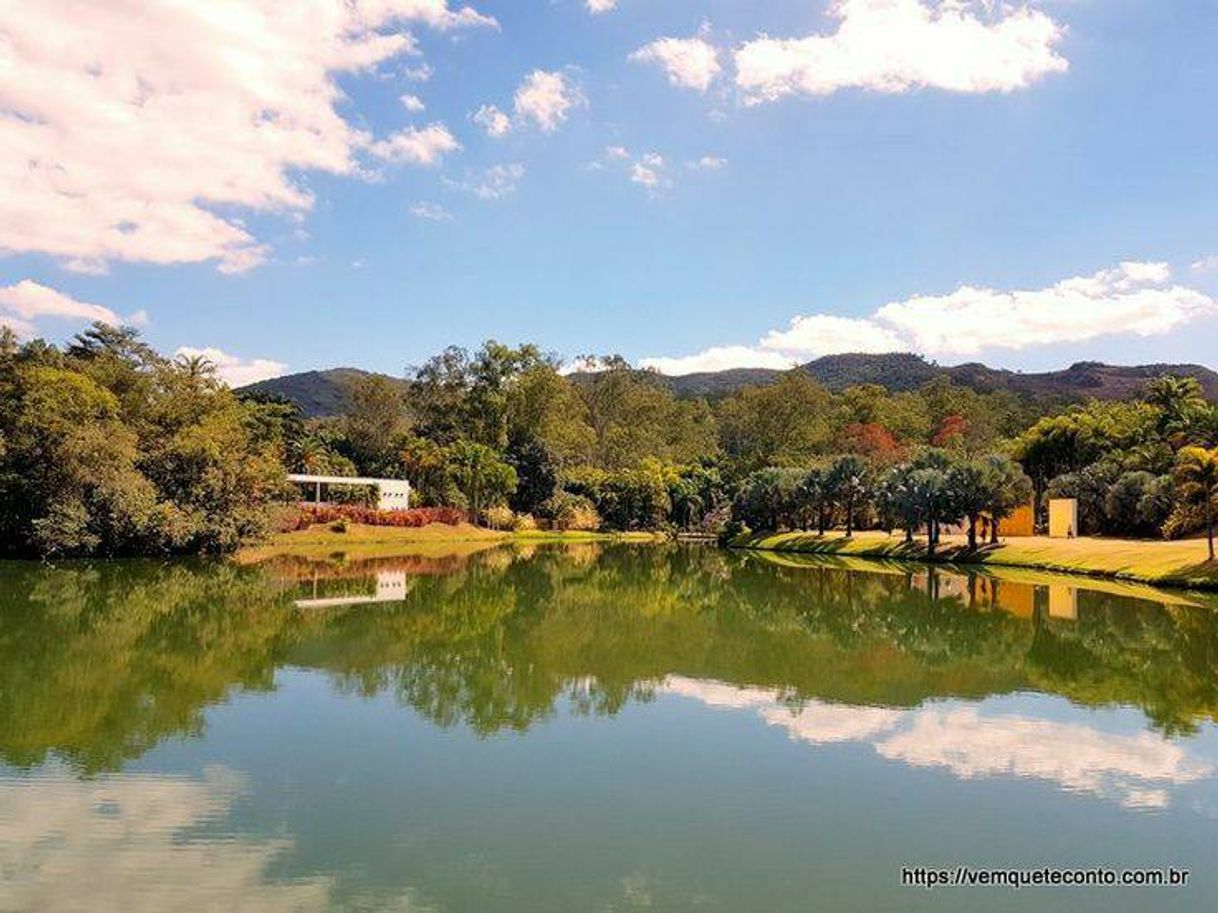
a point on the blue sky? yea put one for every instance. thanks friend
(838, 161)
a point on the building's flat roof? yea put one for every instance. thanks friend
(344, 480)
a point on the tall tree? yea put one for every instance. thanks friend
(1196, 480)
(1007, 487)
(783, 423)
(849, 483)
(1181, 405)
(374, 422)
(480, 475)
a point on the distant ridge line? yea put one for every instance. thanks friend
(323, 393)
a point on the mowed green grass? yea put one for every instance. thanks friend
(1182, 563)
(435, 539)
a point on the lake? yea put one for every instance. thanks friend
(595, 728)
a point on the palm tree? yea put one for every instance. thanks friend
(812, 496)
(1008, 488)
(850, 482)
(969, 484)
(1180, 401)
(196, 367)
(1196, 482)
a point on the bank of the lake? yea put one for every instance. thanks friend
(438, 538)
(1180, 563)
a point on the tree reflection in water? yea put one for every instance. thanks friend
(98, 663)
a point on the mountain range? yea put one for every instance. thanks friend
(323, 393)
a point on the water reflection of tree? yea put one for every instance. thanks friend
(99, 663)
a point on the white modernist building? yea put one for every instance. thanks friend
(392, 494)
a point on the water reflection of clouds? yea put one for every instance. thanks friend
(1136, 770)
(141, 844)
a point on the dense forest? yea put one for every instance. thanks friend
(107, 447)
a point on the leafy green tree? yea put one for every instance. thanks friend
(544, 405)
(849, 484)
(72, 486)
(970, 491)
(1007, 488)
(1196, 483)
(1181, 405)
(633, 414)
(436, 394)
(536, 472)
(374, 423)
(425, 463)
(493, 394)
(694, 493)
(480, 475)
(1139, 503)
(768, 498)
(902, 498)
(814, 498)
(785, 423)
(1089, 486)
(1069, 443)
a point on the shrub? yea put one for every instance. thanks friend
(309, 515)
(499, 517)
(730, 530)
(570, 511)
(523, 523)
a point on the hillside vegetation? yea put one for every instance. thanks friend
(324, 393)
(107, 447)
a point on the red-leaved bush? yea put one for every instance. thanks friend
(308, 515)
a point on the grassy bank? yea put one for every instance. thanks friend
(1177, 564)
(436, 538)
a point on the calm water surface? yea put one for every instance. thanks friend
(594, 729)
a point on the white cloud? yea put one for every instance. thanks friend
(691, 63)
(600, 6)
(900, 45)
(1206, 264)
(28, 300)
(496, 124)
(432, 212)
(707, 163)
(1134, 298)
(543, 99)
(719, 358)
(645, 175)
(24, 303)
(134, 130)
(414, 146)
(493, 183)
(649, 170)
(233, 370)
(546, 98)
(412, 103)
(419, 72)
(825, 334)
(435, 13)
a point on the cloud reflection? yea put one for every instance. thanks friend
(143, 844)
(1136, 771)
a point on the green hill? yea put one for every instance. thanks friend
(323, 393)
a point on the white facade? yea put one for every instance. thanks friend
(392, 494)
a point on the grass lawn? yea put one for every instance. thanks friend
(434, 539)
(1182, 563)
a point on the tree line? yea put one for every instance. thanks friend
(107, 447)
